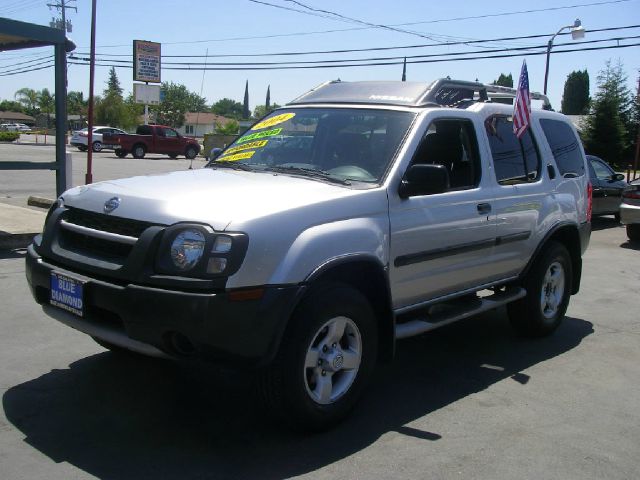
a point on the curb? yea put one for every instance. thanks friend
(39, 202)
(16, 240)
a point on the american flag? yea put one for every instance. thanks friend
(522, 107)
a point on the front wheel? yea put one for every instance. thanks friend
(325, 360)
(191, 153)
(548, 285)
(633, 232)
(97, 146)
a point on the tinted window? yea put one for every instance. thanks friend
(564, 145)
(602, 171)
(144, 130)
(515, 160)
(452, 143)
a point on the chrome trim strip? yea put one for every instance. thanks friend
(113, 237)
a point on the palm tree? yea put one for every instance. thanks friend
(47, 103)
(28, 97)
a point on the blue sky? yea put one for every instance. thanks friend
(200, 26)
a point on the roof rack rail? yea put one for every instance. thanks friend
(447, 92)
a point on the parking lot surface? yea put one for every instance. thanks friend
(471, 400)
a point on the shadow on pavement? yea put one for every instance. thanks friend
(15, 253)
(604, 222)
(139, 418)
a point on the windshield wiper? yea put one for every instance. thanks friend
(309, 172)
(232, 165)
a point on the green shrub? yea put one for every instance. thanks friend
(9, 136)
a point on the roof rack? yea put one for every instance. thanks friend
(451, 93)
(444, 92)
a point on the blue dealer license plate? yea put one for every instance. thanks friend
(67, 293)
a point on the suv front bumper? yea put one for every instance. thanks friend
(164, 322)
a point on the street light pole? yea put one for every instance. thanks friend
(577, 32)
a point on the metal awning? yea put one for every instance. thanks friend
(15, 35)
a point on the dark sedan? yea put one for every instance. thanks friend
(607, 187)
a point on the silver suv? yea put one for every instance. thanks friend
(359, 214)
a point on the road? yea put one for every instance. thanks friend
(17, 186)
(471, 400)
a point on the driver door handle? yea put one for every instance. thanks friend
(484, 208)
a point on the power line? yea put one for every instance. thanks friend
(347, 60)
(371, 49)
(473, 17)
(383, 63)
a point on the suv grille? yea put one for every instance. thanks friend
(98, 235)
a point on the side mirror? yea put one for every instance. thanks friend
(617, 177)
(424, 179)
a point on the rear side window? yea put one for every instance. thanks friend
(144, 130)
(565, 147)
(515, 160)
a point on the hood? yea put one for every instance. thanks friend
(213, 196)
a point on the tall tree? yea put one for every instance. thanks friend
(606, 132)
(267, 102)
(28, 98)
(113, 84)
(110, 109)
(504, 80)
(76, 104)
(227, 108)
(176, 102)
(245, 106)
(46, 103)
(575, 99)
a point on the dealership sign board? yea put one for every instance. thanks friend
(146, 61)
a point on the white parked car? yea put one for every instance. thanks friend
(16, 127)
(80, 138)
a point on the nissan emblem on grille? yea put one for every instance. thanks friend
(111, 204)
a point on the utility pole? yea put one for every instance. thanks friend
(62, 5)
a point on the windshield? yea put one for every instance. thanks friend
(334, 143)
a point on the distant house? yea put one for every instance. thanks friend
(16, 117)
(74, 122)
(197, 124)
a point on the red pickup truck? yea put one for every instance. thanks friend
(154, 139)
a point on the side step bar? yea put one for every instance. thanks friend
(458, 312)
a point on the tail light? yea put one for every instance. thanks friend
(632, 193)
(589, 201)
(83, 134)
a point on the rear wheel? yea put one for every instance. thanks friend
(325, 359)
(191, 153)
(121, 153)
(97, 146)
(173, 155)
(138, 151)
(633, 232)
(82, 148)
(548, 286)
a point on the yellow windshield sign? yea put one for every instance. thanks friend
(236, 157)
(270, 122)
(248, 146)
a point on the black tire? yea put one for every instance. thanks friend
(310, 357)
(616, 216)
(138, 151)
(548, 285)
(82, 148)
(97, 146)
(191, 153)
(120, 153)
(633, 232)
(173, 155)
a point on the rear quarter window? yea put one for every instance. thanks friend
(564, 146)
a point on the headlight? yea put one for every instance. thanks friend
(197, 251)
(187, 249)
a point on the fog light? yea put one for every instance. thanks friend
(222, 244)
(216, 265)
